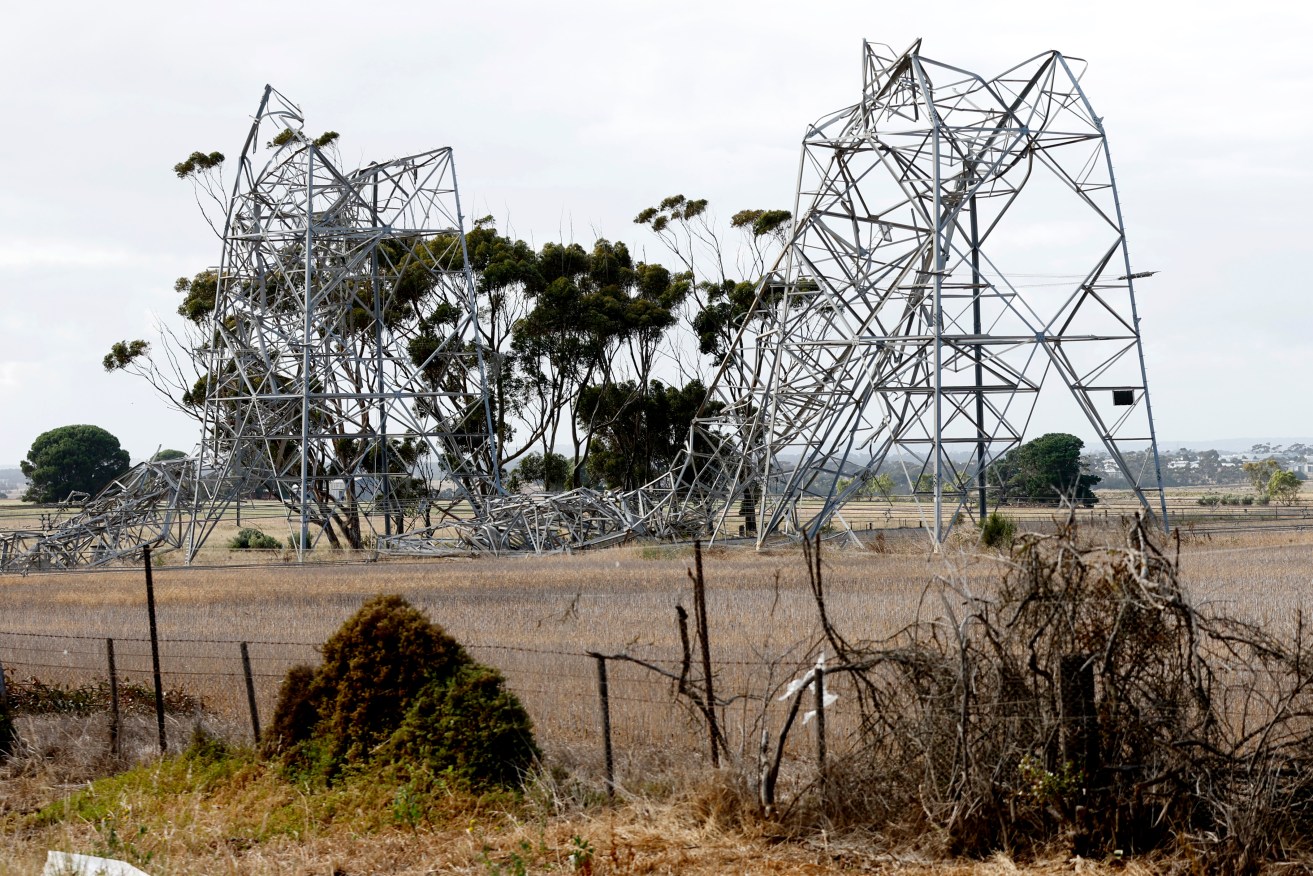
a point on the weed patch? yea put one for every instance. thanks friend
(32, 696)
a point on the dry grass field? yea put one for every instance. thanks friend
(535, 618)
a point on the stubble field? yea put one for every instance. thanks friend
(536, 619)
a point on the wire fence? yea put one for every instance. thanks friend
(205, 680)
(611, 719)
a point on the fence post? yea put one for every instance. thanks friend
(700, 604)
(820, 730)
(114, 747)
(604, 698)
(8, 736)
(1080, 728)
(155, 650)
(250, 693)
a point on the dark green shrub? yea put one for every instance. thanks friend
(295, 713)
(253, 539)
(997, 531)
(439, 730)
(393, 686)
(32, 696)
(373, 667)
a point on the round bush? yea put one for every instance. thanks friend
(373, 667)
(295, 713)
(468, 727)
(997, 531)
(393, 686)
(249, 538)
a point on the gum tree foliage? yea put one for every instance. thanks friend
(71, 459)
(1044, 470)
(550, 470)
(1284, 487)
(1272, 482)
(594, 318)
(686, 227)
(575, 339)
(876, 486)
(556, 322)
(1260, 474)
(640, 431)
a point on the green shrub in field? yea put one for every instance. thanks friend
(469, 726)
(253, 539)
(997, 531)
(296, 713)
(393, 686)
(374, 666)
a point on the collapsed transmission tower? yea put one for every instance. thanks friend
(341, 368)
(143, 506)
(346, 377)
(958, 244)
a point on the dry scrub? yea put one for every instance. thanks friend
(534, 618)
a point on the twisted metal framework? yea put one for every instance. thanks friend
(346, 375)
(576, 520)
(902, 322)
(342, 372)
(144, 506)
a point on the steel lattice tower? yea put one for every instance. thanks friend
(902, 322)
(346, 374)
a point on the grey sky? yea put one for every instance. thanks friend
(567, 118)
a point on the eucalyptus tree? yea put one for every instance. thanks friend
(597, 319)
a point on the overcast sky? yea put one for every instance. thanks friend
(567, 118)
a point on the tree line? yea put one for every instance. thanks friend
(1047, 469)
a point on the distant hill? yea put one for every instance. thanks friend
(1234, 445)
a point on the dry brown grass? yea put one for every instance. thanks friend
(207, 832)
(557, 608)
(763, 628)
